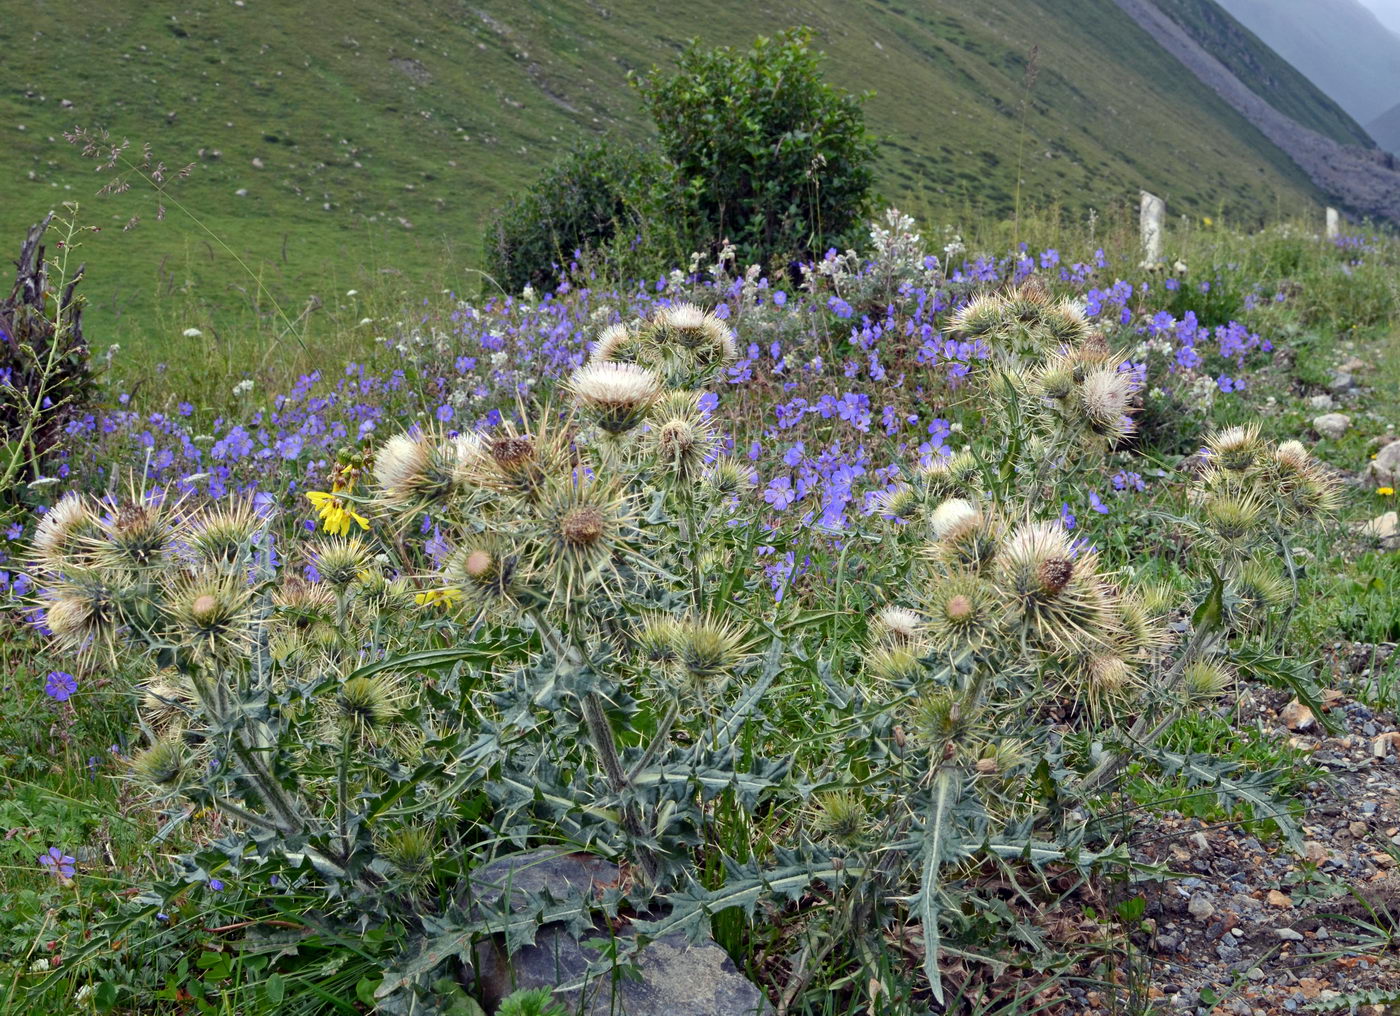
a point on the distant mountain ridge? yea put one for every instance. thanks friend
(1339, 44)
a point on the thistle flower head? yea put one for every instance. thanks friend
(136, 535)
(303, 604)
(728, 476)
(582, 526)
(486, 571)
(961, 611)
(954, 518)
(657, 637)
(383, 595)
(1206, 680)
(64, 535)
(1235, 449)
(616, 344)
(342, 561)
(88, 608)
(1232, 519)
(705, 335)
(165, 765)
(899, 665)
(1260, 588)
(1292, 455)
(618, 395)
(522, 462)
(1064, 323)
(210, 612)
(224, 538)
(1055, 379)
(412, 850)
(898, 625)
(364, 705)
(980, 317)
(842, 817)
(939, 721)
(1105, 398)
(682, 444)
(708, 651)
(1053, 590)
(901, 501)
(423, 468)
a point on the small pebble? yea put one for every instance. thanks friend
(1200, 907)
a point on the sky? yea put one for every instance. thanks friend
(1387, 10)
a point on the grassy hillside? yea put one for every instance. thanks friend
(1265, 73)
(385, 134)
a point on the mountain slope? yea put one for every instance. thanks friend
(384, 133)
(1339, 44)
(1386, 129)
(1263, 71)
(1360, 179)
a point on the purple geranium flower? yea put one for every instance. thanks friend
(57, 863)
(60, 685)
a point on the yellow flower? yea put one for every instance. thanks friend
(1386, 491)
(1207, 221)
(335, 515)
(448, 597)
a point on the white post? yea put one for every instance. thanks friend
(1334, 224)
(1153, 222)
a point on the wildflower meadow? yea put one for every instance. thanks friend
(968, 618)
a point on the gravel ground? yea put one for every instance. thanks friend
(1255, 928)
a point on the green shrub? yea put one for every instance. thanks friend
(768, 155)
(587, 200)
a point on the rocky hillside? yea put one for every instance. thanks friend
(1339, 44)
(1361, 178)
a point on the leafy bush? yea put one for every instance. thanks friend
(593, 198)
(768, 156)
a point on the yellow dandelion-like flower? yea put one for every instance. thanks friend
(1386, 491)
(335, 513)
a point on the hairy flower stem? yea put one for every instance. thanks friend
(342, 790)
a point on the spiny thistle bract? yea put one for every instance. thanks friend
(225, 537)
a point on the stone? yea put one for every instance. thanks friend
(1334, 224)
(1314, 851)
(1339, 382)
(242, 192)
(673, 976)
(1385, 467)
(1321, 403)
(1200, 907)
(1384, 529)
(257, 164)
(1331, 425)
(1296, 716)
(1288, 934)
(1152, 221)
(1278, 899)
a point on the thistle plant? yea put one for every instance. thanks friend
(1013, 654)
